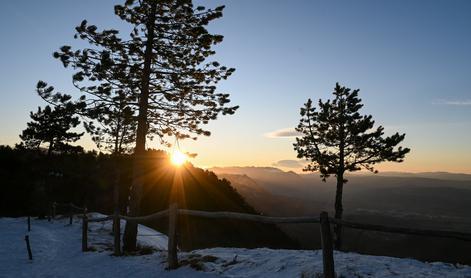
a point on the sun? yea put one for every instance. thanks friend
(178, 158)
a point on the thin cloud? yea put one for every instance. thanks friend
(459, 102)
(454, 102)
(289, 163)
(283, 133)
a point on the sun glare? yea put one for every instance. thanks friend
(178, 158)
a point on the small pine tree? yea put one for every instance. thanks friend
(336, 138)
(51, 126)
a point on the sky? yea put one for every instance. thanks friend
(410, 59)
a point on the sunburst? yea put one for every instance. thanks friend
(178, 158)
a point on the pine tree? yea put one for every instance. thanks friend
(336, 139)
(161, 69)
(52, 125)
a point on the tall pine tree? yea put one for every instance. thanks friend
(161, 69)
(336, 139)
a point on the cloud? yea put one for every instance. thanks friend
(459, 102)
(454, 102)
(289, 163)
(283, 133)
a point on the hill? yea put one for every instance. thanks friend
(197, 189)
(31, 181)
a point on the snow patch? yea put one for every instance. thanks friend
(57, 252)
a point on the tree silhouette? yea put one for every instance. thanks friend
(112, 126)
(52, 125)
(336, 138)
(162, 71)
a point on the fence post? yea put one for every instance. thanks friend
(84, 233)
(117, 234)
(29, 223)
(327, 247)
(53, 210)
(28, 247)
(71, 213)
(172, 236)
(49, 215)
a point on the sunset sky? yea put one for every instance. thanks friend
(411, 60)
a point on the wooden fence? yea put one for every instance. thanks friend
(69, 208)
(324, 220)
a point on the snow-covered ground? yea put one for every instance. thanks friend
(57, 253)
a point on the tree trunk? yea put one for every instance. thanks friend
(49, 150)
(338, 212)
(340, 180)
(130, 231)
(116, 187)
(116, 219)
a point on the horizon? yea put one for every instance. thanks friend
(361, 172)
(414, 55)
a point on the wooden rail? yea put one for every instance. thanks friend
(76, 207)
(117, 228)
(147, 218)
(325, 221)
(100, 219)
(70, 207)
(400, 230)
(172, 213)
(248, 217)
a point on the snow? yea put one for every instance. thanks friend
(295, 263)
(57, 252)
(145, 235)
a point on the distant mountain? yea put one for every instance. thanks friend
(262, 199)
(245, 185)
(271, 179)
(411, 193)
(423, 200)
(431, 175)
(267, 174)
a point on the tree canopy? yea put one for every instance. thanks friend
(337, 138)
(52, 125)
(171, 39)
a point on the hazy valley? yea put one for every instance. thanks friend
(424, 200)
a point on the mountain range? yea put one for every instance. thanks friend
(435, 200)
